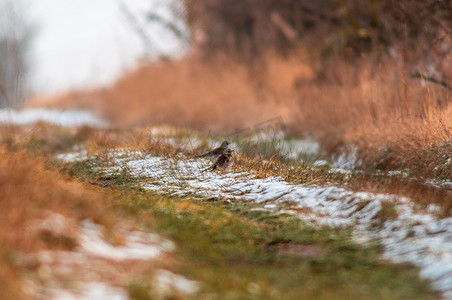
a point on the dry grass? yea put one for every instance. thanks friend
(392, 119)
(216, 97)
(29, 191)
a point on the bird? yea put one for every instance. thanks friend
(224, 161)
(215, 153)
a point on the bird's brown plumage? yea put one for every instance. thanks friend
(224, 161)
(215, 153)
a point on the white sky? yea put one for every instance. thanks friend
(87, 43)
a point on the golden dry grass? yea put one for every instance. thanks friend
(393, 120)
(215, 97)
(30, 191)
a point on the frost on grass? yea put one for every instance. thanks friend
(67, 118)
(406, 233)
(94, 268)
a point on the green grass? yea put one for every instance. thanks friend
(236, 253)
(387, 212)
(235, 256)
(261, 158)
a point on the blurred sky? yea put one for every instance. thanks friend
(88, 43)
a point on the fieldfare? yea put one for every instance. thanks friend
(215, 153)
(223, 161)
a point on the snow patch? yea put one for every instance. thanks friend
(410, 235)
(346, 161)
(92, 291)
(137, 245)
(305, 146)
(73, 156)
(67, 118)
(80, 273)
(167, 281)
(439, 183)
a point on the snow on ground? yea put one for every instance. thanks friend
(439, 183)
(346, 161)
(61, 118)
(73, 156)
(89, 270)
(305, 146)
(137, 244)
(92, 291)
(411, 236)
(167, 281)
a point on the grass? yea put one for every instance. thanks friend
(29, 191)
(393, 120)
(235, 256)
(387, 212)
(249, 241)
(270, 162)
(234, 252)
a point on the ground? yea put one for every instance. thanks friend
(131, 214)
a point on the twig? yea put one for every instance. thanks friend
(167, 24)
(139, 30)
(429, 79)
